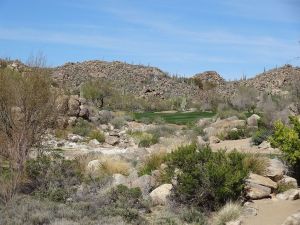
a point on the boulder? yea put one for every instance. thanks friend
(210, 131)
(264, 181)
(84, 112)
(145, 183)
(275, 169)
(256, 191)
(235, 222)
(293, 219)
(200, 141)
(288, 181)
(75, 138)
(214, 140)
(160, 194)
(265, 145)
(203, 122)
(253, 120)
(94, 142)
(292, 194)
(112, 140)
(118, 179)
(73, 106)
(93, 166)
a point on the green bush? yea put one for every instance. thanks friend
(82, 128)
(260, 136)
(236, 134)
(192, 215)
(205, 179)
(98, 135)
(144, 139)
(118, 122)
(152, 163)
(287, 139)
(53, 177)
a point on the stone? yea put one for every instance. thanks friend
(293, 219)
(160, 194)
(264, 181)
(118, 179)
(288, 181)
(94, 142)
(73, 106)
(200, 141)
(75, 138)
(256, 191)
(235, 222)
(275, 169)
(72, 121)
(112, 140)
(93, 166)
(203, 122)
(292, 194)
(253, 120)
(214, 140)
(210, 131)
(265, 145)
(84, 112)
(145, 183)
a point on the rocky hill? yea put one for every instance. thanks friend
(135, 79)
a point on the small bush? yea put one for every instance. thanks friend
(205, 179)
(98, 135)
(82, 128)
(105, 116)
(223, 114)
(229, 212)
(282, 187)
(260, 136)
(255, 163)
(236, 134)
(111, 166)
(152, 163)
(118, 122)
(148, 140)
(192, 215)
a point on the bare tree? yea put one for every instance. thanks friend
(26, 106)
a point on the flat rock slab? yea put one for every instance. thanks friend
(261, 180)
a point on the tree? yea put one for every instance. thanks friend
(26, 109)
(97, 91)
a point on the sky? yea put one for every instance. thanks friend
(183, 37)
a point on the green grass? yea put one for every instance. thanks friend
(180, 118)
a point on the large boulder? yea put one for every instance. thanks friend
(252, 121)
(145, 183)
(111, 140)
(74, 105)
(93, 166)
(292, 194)
(264, 181)
(293, 219)
(61, 103)
(256, 191)
(275, 169)
(160, 194)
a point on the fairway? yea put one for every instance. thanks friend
(180, 118)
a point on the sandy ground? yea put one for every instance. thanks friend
(272, 211)
(242, 145)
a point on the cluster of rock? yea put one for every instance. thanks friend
(135, 79)
(147, 183)
(211, 77)
(258, 186)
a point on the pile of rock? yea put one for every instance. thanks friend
(258, 186)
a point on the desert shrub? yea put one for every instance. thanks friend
(223, 114)
(192, 215)
(245, 99)
(282, 187)
(61, 133)
(236, 134)
(229, 212)
(255, 163)
(145, 120)
(105, 116)
(111, 166)
(162, 131)
(152, 163)
(82, 127)
(52, 177)
(144, 139)
(118, 122)
(286, 138)
(260, 136)
(98, 135)
(205, 179)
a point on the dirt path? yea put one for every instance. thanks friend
(242, 145)
(272, 212)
